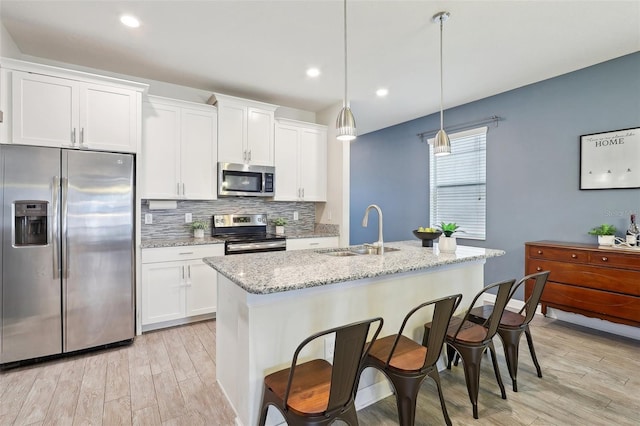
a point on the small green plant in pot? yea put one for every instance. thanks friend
(606, 234)
(279, 222)
(448, 228)
(447, 242)
(199, 227)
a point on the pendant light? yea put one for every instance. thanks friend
(441, 144)
(346, 124)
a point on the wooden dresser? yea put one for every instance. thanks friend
(587, 279)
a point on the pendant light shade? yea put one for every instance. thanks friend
(346, 123)
(442, 144)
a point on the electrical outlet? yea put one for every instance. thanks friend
(148, 219)
(329, 346)
(295, 215)
(188, 218)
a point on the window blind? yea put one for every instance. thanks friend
(458, 183)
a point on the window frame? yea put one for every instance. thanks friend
(470, 136)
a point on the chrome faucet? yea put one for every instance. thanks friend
(378, 244)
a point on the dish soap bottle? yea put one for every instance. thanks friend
(633, 233)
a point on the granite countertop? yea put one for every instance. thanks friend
(179, 242)
(310, 234)
(273, 272)
(190, 241)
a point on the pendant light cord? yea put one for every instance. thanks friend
(346, 102)
(441, 90)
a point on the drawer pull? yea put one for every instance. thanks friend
(539, 251)
(538, 269)
(186, 252)
(604, 258)
(574, 256)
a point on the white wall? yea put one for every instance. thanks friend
(336, 209)
(8, 47)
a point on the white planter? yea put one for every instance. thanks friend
(447, 244)
(279, 230)
(198, 233)
(606, 240)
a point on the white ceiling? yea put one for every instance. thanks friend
(261, 49)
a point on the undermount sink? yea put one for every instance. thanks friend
(355, 251)
(340, 253)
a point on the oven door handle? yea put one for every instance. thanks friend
(231, 248)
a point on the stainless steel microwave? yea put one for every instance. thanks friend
(245, 180)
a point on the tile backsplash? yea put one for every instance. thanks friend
(171, 223)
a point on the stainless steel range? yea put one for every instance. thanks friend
(246, 233)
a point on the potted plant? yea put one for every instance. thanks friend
(447, 242)
(198, 227)
(279, 222)
(606, 234)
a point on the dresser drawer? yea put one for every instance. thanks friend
(591, 300)
(615, 260)
(621, 281)
(561, 254)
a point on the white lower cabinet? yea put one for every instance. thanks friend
(312, 243)
(177, 284)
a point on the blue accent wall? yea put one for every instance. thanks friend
(533, 161)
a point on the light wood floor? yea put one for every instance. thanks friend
(168, 378)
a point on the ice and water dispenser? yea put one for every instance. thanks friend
(30, 220)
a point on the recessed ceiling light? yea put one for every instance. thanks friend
(382, 92)
(313, 72)
(130, 21)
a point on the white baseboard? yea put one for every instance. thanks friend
(372, 394)
(595, 323)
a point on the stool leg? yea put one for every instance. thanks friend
(436, 378)
(527, 333)
(511, 343)
(496, 370)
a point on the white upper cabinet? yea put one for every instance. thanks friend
(179, 148)
(245, 130)
(301, 161)
(61, 110)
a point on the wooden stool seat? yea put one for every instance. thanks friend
(309, 392)
(408, 355)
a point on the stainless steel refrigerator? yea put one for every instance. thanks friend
(67, 250)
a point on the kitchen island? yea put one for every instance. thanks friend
(269, 302)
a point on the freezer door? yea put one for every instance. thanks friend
(30, 298)
(97, 247)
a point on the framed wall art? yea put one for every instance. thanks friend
(610, 160)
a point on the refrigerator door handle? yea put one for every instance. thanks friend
(65, 245)
(55, 229)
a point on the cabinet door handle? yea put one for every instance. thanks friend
(302, 192)
(184, 189)
(249, 155)
(183, 273)
(604, 258)
(73, 137)
(178, 187)
(82, 136)
(574, 256)
(244, 155)
(189, 271)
